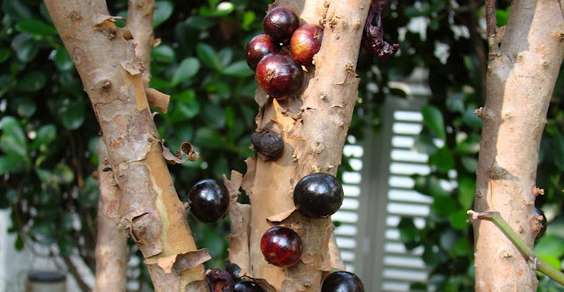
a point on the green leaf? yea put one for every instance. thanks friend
(4, 54)
(35, 27)
(25, 107)
(409, 234)
(72, 114)
(433, 120)
(186, 105)
(187, 69)
(208, 56)
(466, 186)
(13, 139)
(25, 47)
(10, 164)
(550, 249)
(238, 69)
(163, 10)
(45, 135)
(501, 17)
(199, 22)
(442, 159)
(458, 219)
(163, 54)
(443, 206)
(32, 81)
(62, 59)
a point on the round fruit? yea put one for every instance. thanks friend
(318, 195)
(208, 200)
(342, 282)
(281, 246)
(269, 144)
(233, 269)
(247, 286)
(219, 281)
(305, 43)
(279, 76)
(280, 23)
(259, 46)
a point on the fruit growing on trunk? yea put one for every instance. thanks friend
(219, 281)
(540, 223)
(318, 195)
(281, 246)
(259, 47)
(268, 144)
(305, 43)
(247, 286)
(279, 76)
(342, 282)
(208, 200)
(280, 23)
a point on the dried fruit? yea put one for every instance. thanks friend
(373, 38)
(318, 195)
(281, 246)
(305, 43)
(342, 282)
(208, 200)
(219, 281)
(540, 224)
(280, 23)
(268, 144)
(247, 286)
(259, 47)
(279, 76)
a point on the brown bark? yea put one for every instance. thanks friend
(313, 126)
(112, 75)
(112, 252)
(523, 68)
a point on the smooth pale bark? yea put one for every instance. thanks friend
(523, 67)
(314, 127)
(112, 253)
(112, 75)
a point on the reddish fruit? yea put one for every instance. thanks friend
(342, 282)
(219, 281)
(318, 195)
(305, 43)
(208, 200)
(279, 76)
(281, 246)
(259, 46)
(280, 23)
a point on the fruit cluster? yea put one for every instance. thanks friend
(278, 71)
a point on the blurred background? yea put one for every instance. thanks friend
(409, 164)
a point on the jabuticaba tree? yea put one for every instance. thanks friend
(305, 69)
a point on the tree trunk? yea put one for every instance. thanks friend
(314, 127)
(523, 67)
(113, 76)
(112, 252)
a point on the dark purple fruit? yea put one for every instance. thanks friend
(247, 286)
(269, 144)
(342, 282)
(259, 46)
(318, 195)
(280, 23)
(281, 246)
(219, 281)
(279, 76)
(305, 43)
(233, 269)
(208, 200)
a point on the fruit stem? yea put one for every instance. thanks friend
(539, 264)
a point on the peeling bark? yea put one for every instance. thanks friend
(314, 128)
(113, 75)
(524, 63)
(112, 253)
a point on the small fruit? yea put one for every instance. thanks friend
(342, 282)
(233, 269)
(269, 144)
(281, 246)
(219, 281)
(280, 23)
(279, 76)
(208, 200)
(540, 224)
(305, 43)
(247, 286)
(318, 195)
(259, 46)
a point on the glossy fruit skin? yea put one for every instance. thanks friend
(258, 47)
(208, 200)
(342, 282)
(281, 246)
(280, 23)
(305, 43)
(268, 144)
(279, 76)
(219, 281)
(247, 286)
(318, 195)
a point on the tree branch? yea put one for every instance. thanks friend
(112, 252)
(73, 270)
(112, 74)
(140, 24)
(491, 19)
